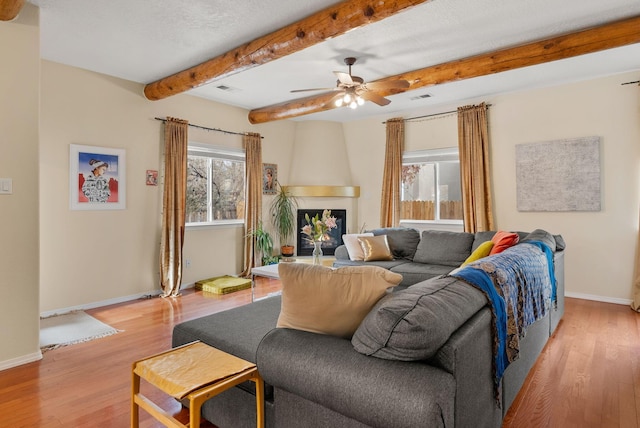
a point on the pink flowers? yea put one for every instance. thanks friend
(316, 228)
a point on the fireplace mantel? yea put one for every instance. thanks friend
(324, 191)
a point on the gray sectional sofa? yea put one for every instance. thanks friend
(423, 357)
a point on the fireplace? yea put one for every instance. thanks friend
(305, 248)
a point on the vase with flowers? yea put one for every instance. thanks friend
(317, 230)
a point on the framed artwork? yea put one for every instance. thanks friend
(269, 178)
(152, 177)
(97, 178)
(559, 175)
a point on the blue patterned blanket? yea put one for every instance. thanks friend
(520, 285)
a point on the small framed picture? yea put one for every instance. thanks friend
(269, 178)
(97, 178)
(152, 177)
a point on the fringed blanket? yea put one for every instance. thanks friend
(520, 284)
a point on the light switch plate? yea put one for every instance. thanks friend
(6, 186)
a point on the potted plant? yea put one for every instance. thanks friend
(264, 243)
(283, 216)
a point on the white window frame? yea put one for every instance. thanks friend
(435, 156)
(215, 152)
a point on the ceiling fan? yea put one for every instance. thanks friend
(353, 91)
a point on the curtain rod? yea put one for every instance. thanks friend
(433, 115)
(208, 129)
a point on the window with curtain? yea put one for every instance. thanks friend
(431, 185)
(215, 185)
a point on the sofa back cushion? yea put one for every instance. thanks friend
(413, 324)
(444, 248)
(330, 301)
(482, 237)
(403, 241)
(542, 236)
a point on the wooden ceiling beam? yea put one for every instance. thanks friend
(9, 9)
(607, 36)
(328, 23)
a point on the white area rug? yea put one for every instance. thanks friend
(70, 328)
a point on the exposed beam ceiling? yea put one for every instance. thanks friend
(144, 41)
(608, 36)
(318, 27)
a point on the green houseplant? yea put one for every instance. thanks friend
(283, 216)
(264, 243)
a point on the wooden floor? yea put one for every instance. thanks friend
(587, 376)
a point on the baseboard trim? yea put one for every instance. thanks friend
(596, 298)
(109, 302)
(98, 304)
(24, 359)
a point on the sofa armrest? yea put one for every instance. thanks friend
(468, 355)
(380, 393)
(341, 253)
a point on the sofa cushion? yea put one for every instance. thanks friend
(503, 240)
(482, 237)
(353, 246)
(443, 247)
(331, 301)
(541, 236)
(413, 272)
(482, 251)
(403, 241)
(369, 392)
(375, 248)
(237, 331)
(413, 324)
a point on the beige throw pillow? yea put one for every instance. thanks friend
(330, 301)
(353, 246)
(375, 248)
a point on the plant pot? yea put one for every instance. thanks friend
(287, 250)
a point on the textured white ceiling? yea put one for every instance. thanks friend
(145, 40)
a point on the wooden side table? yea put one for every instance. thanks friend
(196, 372)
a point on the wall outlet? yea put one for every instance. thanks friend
(187, 262)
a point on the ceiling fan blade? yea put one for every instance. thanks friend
(312, 89)
(373, 97)
(343, 77)
(381, 86)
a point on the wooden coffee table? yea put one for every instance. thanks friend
(194, 372)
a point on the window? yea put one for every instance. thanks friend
(215, 185)
(431, 185)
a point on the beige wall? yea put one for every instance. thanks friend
(95, 257)
(19, 84)
(366, 141)
(600, 245)
(320, 157)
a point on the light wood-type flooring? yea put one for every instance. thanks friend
(587, 376)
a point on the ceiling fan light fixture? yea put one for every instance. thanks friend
(338, 102)
(353, 105)
(359, 100)
(347, 98)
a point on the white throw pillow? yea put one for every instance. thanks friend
(353, 246)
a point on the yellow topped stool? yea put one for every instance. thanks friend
(196, 372)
